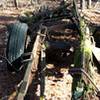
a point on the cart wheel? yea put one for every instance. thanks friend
(16, 45)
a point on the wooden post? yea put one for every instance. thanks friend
(35, 2)
(42, 73)
(83, 60)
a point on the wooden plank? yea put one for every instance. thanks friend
(32, 66)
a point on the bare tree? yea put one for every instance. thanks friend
(89, 3)
(82, 4)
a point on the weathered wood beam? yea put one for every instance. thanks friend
(32, 66)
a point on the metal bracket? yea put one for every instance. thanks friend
(26, 57)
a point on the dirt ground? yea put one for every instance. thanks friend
(58, 81)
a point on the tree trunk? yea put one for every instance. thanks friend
(89, 4)
(16, 3)
(82, 4)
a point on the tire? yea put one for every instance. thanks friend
(16, 44)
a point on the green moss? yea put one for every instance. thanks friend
(83, 58)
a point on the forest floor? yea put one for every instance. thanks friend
(58, 80)
(93, 16)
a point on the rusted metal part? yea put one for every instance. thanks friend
(42, 72)
(33, 65)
